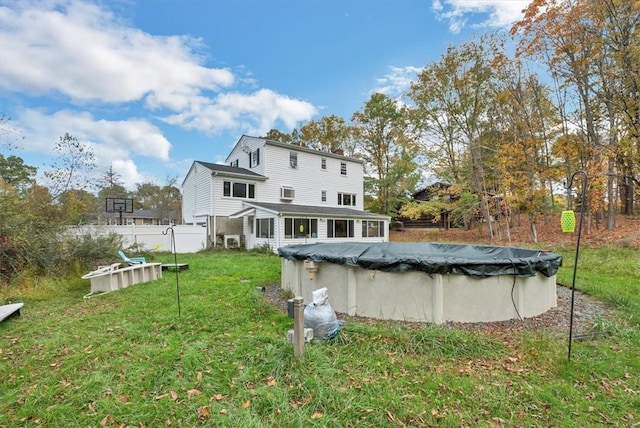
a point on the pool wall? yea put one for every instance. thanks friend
(420, 296)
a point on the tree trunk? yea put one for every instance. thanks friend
(534, 232)
(478, 178)
(611, 208)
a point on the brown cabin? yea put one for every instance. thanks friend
(427, 222)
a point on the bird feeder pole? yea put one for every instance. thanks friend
(575, 263)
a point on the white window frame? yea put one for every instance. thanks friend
(269, 224)
(254, 158)
(379, 227)
(287, 193)
(347, 199)
(249, 188)
(343, 168)
(292, 227)
(331, 228)
(293, 159)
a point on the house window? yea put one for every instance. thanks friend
(254, 158)
(323, 164)
(323, 196)
(234, 163)
(300, 228)
(238, 190)
(293, 159)
(372, 229)
(348, 199)
(339, 228)
(264, 228)
(343, 168)
(287, 193)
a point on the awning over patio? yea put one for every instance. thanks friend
(243, 213)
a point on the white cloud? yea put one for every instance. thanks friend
(82, 57)
(258, 112)
(496, 13)
(86, 55)
(81, 51)
(397, 82)
(116, 143)
(128, 172)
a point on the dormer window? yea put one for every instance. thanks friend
(293, 159)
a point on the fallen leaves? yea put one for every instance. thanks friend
(193, 392)
(203, 413)
(107, 420)
(296, 404)
(496, 423)
(271, 381)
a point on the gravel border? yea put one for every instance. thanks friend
(588, 312)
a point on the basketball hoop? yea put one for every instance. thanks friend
(119, 205)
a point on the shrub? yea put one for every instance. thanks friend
(86, 252)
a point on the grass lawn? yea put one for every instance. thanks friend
(127, 359)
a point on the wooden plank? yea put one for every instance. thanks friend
(174, 266)
(8, 311)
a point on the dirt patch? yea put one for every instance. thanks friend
(518, 233)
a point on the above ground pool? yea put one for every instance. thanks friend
(429, 282)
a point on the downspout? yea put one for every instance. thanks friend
(213, 210)
(278, 229)
(215, 234)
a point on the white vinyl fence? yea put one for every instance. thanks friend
(188, 238)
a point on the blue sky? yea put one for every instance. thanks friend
(153, 85)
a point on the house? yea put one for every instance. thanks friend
(434, 190)
(274, 194)
(140, 217)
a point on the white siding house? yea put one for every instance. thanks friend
(273, 194)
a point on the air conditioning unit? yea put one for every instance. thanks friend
(232, 241)
(287, 193)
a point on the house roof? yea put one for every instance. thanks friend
(298, 148)
(142, 214)
(231, 170)
(311, 210)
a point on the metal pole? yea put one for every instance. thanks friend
(175, 265)
(575, 263)
(298, 327)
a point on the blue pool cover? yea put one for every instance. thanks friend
(471, 260)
